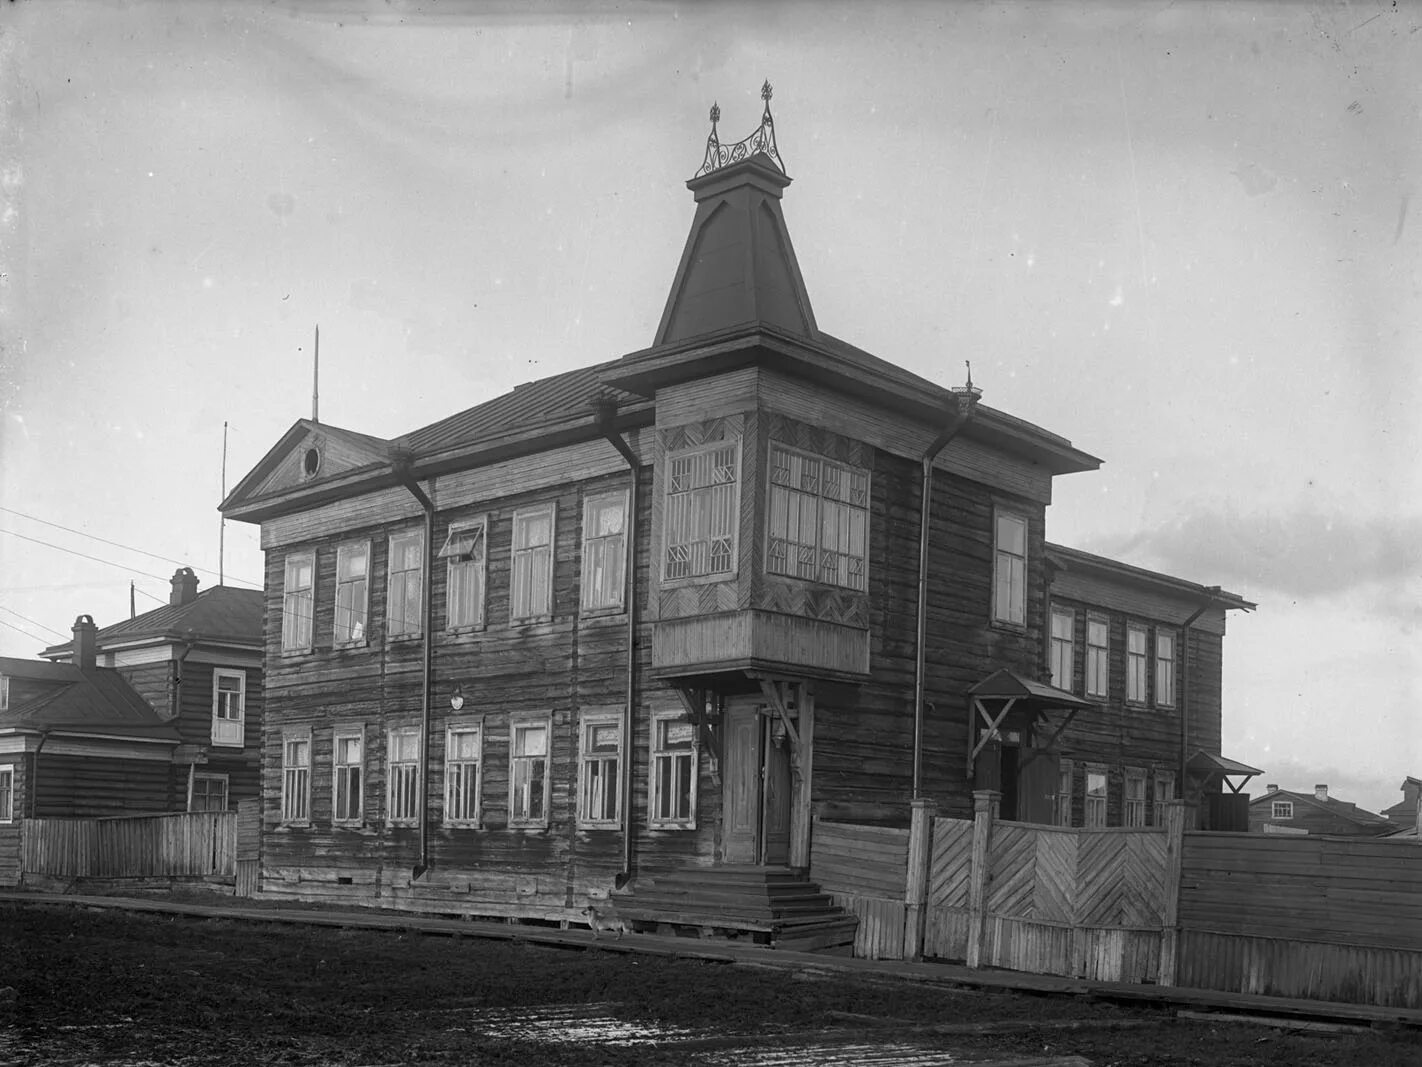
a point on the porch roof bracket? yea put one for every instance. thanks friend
(694, 700)
(992, 726)
(772, 693)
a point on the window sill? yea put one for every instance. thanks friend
(349, 646)
(465, 631)
(601, 825)
(462, 824)
(403, 639)
(293, 653)
(295, 824)
(530, 620)
(236, 746)
(683, 825)
(596, 615)
(1008, 627)
(699, 579)
(525, 825)
(347, 824)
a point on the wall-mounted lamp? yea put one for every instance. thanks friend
(777, 733)
(456, 699)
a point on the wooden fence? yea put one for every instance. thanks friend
(184, 845)
(864, 868)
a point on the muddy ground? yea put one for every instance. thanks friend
(83, 986)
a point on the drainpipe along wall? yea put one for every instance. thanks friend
(401, 467)
(960, 419)
(606, 411)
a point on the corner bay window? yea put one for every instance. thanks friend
(819, 519)
(402, 760)
(699, 525)
(528, 774)
(352, 570)
(297, 602)
(404, 602)
(598, 769)
(673, 771)
(1009, 578)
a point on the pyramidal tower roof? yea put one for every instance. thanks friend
(738, 267)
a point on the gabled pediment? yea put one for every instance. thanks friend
(309, 455)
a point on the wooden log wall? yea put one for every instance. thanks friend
(864, 869)
(74, 786)
(11, 852)
(1316, 917)
(241, 765)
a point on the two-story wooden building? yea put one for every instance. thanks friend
(656, 613)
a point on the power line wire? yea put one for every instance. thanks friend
(105, 562)
(31, 621)
(17, 629)
(115, 544)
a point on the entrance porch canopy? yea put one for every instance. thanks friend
(1005, 691)
(1210, 765)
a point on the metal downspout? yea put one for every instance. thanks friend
(606, 410)
(401, 466)
(967, 398)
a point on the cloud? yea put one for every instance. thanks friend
(1299, 555)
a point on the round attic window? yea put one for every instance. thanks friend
(311, 462)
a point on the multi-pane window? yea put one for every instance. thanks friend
(1164, 786)
(1133, 805)
(347, 774)
(699, 525)
(462, 752)
(673, 770)
(1098, 657)
(352, 587)
(819, 519)
(604, 551)
(402, 758)
(1165, 668)
(599, 765)
(7, 793)
(466, 555)
(208, 792)
(4, 693)
(1061, 804)
(1009, 589)
(229, 698)
(1095, 805)
(1063, 647)
(404, 601)
(1136, 663)
(297, 601)
(531, 583)
(1282, 809)
(296, 777)
(528, 774)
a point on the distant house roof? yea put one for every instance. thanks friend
(97, 701)
(1342, 809)
(222, 614)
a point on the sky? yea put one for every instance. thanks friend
(1180, 235)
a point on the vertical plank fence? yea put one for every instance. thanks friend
(865, 868)
(183, 845)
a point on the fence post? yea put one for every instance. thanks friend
(1176, 817)
(920, 849)
(985, 807)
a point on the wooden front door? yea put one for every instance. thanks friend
(775, 794)
(740, 780)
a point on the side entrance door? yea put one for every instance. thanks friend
(756, 781)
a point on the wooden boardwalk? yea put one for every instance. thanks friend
(730, 952)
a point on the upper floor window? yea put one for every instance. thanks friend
(296, 776)
(699, 524)
(528, 774)
(463, 756)
(531, 584)
(347, 774)
(229, 703)
(604, 551)
(297, 601)
(673, 786)
(1282, 809)
(1063, 647)
(1136, 660)
(1165, 668)
(465, 551)
(402, 762)
(819, 519)
(1009, 596)
(404, 602)
(599, 767)
(352, 585)
(1098, 657)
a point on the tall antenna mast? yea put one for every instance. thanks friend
(222, 529)
(316, 377)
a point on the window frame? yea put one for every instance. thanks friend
(342, 552)
(218, 674)
(291, 636)
(1137, 664)
(848, 473)
(610, 605)
(1058, 645)
(1160, 795)
(300, 773)
(693, 577)
(340, 769)
(1105, 658)
(658, 753)
(1019, 596)
(7, 792)
(588, 722)
(478, 566)
(549, 508)
(473, 726)
(413, 764)
(525, 722)
(1281, 810)
(1133, 808)
(1062, 799)
(1165, 668)
(1092, 802)
(206, 776)
(4, 692)
(416, 626)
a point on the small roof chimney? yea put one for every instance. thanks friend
(1271, 788)
(1320, 791)
(185, 584)
(86, 641)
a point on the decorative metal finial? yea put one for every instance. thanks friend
(969, 364)
(762, 142)
(966, 396)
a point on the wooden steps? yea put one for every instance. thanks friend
(774, 906)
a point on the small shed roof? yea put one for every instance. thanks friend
(1005, 684)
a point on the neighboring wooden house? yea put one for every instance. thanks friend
(1403, 814)
(1146, 650)
(77, 739)
(197, 661)
(1283, 811)
(656, 613)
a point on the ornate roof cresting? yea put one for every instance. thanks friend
(762, 141)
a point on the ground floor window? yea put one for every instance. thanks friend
(403, 769)
(673, 770)
(1094, 786)
(528, 774)
(599, 764)
(347, 774)
(1164, 790)
(7, 793)
(296, 777)
(208, 792)
(1133, 808)
(1061, 806)
(462, 757)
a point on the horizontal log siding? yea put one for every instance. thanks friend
(560, 667)
(241, 765)
(154, 683)
(67, 787)
(865, 870)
